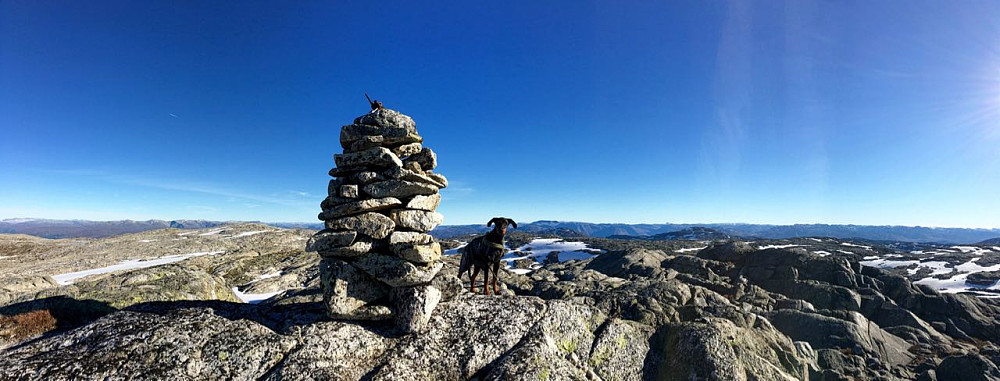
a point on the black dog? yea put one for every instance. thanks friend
(484, 253)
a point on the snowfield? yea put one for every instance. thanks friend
(69, 278)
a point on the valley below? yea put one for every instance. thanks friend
(243, 301)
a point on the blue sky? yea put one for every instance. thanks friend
(691, 111)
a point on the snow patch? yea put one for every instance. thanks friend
(247, 234)
(147, 240)
(957, 283)
(887, 264)
(131, 264)
(254, 298)
(854, 245)
(776, 246)
(821, 253)
(271, 275)
(689, 249)
(456, 249)
(213, 232)
(972, 249)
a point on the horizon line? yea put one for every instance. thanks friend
(533, 222)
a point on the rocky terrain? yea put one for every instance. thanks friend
(223, 263)
(804, 308)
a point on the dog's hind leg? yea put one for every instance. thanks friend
(472, 279)
(486, 281)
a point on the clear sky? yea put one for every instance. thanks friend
(673, 111)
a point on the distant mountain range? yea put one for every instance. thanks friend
(84, 228)
(868, 232)
(697, 233)
(98, 229)
(991, 241)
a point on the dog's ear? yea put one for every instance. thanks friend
(488, 224)
(512, 223)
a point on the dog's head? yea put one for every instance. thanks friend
(501, 223)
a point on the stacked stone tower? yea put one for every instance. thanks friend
(378, 261)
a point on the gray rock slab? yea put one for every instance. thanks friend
(418, 253)
(420, 202)
(390, 135)
(415, 238)
(426, 158)
(374, 157)
(356, 207)
(329, 240)
(418, 220)
(371, 224)
(398, 188)
(384, 117)
(407, 149)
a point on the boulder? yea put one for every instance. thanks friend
(973, 367)
(328, 240)
(438, 178)
(411, 175)
(373, 157)
(390, 135)
(428, 203)
(348, 191)
(361, 206)
(426, 158)
(416, 238)
(418, 220)
(640, 262)
(398, 188)
(371, 224)
(620, 350)
(418, 253)
(449, 285)
(361, 246)
(407, 149)
(384, 117)
(365, 142)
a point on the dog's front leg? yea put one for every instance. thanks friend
(496, 275)
(486, 281)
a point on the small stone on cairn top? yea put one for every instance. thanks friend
(378, 261)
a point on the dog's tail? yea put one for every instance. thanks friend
(466, 263)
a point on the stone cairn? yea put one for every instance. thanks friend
(378, 262)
